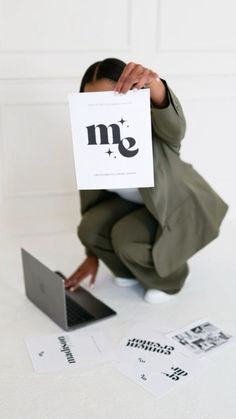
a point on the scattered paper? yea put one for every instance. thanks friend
(156, 361)
(112, 139)
(68, 350)
(200, 337)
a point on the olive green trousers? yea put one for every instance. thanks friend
(121, 233)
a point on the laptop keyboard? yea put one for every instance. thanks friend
(75, 313)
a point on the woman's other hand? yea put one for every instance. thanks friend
(88, 267)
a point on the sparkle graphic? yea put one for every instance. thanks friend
(122, 121)
(109, 152)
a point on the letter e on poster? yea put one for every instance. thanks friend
(112, 139)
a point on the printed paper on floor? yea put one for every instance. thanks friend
(156, 362)
(201, 337)
(68, 350)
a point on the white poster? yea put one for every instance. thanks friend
(112, 139)
(68, 350)
(156, 362)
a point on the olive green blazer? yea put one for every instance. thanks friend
(189, 212)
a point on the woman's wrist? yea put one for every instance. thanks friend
(92, 257)
(158, 93)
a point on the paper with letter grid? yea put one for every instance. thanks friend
(112, 139)
(156, 362)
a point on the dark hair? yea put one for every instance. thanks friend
(110, 68)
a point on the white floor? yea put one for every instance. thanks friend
(104, 392)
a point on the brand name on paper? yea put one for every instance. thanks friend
(66, 350)
(102, 134)
(147, 345)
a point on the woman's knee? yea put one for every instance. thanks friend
(119, 238)
(86, 232)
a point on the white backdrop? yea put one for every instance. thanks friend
(46, 45)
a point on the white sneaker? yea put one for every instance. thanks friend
(125, 282)
(153, 296)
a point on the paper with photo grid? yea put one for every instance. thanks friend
(201, 337)
(112, 139)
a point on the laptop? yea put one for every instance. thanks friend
(69, 310)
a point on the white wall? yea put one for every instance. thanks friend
(46, 45)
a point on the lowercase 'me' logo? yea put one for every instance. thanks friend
(125, 145)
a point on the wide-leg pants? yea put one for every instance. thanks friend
(121, 233)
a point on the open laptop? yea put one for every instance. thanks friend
(68, 309)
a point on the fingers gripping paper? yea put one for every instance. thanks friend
(112, 139)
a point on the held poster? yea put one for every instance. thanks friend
(112, 139)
